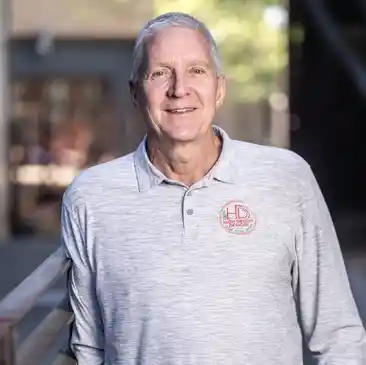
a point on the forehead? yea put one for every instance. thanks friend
(178, 43)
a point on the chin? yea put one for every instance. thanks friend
(183, 135)
(183, 131)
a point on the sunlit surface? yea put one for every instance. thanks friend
(51, 175)
(276, 16)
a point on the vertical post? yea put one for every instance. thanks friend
(4, 118)
(7, 348)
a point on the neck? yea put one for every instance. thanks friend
(185, 162)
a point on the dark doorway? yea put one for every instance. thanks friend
(332, 112)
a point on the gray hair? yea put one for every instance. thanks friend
(174, 19)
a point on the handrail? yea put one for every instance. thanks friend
(43, 337)
(21, 301)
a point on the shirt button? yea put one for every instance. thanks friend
(189, 211)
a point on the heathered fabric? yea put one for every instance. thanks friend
(158, 279)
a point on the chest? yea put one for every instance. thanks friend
(219, 244)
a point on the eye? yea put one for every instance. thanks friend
(198, 71)
(158, 74)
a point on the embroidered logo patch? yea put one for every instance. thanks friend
(236, 218)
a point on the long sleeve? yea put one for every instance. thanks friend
(87, 340)
(330, 321)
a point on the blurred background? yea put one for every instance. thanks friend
(297, 80)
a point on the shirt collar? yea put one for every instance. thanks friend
(149, 176)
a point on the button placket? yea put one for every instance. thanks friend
(187, 209)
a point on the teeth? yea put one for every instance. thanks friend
(182, 110)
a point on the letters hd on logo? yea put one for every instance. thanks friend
(236, 218)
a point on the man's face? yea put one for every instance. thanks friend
(180, 91)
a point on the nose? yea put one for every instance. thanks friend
(178, 86)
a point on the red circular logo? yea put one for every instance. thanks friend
(236, 218)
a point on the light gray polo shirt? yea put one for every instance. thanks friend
(212, 274)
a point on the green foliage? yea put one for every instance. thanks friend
(253, 52)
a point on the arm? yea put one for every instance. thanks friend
(330, 321)
(87, 340)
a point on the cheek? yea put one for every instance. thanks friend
(155, 98)
(209, 99)
(207, 91)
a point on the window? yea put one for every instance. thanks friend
(59, 126)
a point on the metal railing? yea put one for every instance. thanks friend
(19, 302)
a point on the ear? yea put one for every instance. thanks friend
(221, 91)
(133, 92)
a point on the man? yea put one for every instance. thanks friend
(197, 249)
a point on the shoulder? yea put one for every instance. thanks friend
(268, 155)
(98, 181)
(270, 164)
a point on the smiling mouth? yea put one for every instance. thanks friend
(180, 110)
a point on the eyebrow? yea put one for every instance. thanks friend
(191, 63)
(200, 63)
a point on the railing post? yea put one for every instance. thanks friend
(15, 306)
(4, 118)
(7, 346)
